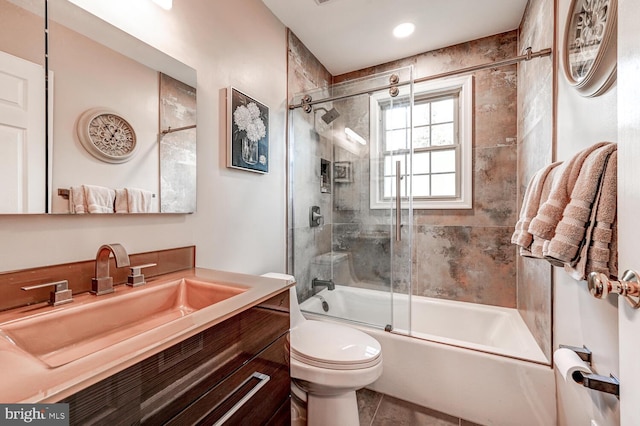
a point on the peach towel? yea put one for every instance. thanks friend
(77, 201)
(139, 200)
(574, 229)
(601, 254)
(582, 237)
(537, 244)
(99, 199)
(544, 224)
(121, 203)
(533, 197)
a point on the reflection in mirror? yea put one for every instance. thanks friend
(177, 145)
(112, 161)
(23, 160)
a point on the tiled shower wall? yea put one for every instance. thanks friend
(463, 255)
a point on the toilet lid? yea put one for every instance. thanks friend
(329, 345)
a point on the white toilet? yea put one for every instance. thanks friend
(329, 362)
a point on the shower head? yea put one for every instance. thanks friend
(330, 115)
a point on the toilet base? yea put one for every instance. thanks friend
(339, 409)
(298, 405)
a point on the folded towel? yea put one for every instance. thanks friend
(139, 200)
(577, 267)
(574, 229)
(533, 197)
(544, 224)
(77, 201)
(121, 203)
(613, 248)
(537, 243)
(99, 199)
(602, 254)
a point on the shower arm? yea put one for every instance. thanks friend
(308, 102)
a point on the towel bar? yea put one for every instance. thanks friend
(64, 193)
(629, 286)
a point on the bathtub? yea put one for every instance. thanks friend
(476, 362)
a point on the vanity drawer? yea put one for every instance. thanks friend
(164, 385)
(251, 396)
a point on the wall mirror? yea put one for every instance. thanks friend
(122, 115)
(23, 139)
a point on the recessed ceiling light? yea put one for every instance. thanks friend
(404, 30)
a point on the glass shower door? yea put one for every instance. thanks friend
(351, 158)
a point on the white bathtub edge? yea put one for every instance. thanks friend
(482, 388)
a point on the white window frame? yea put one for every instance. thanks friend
(463, 85)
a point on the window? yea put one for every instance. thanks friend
(441, 130)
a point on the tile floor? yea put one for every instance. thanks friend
(377, 409)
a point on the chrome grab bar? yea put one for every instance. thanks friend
(629, 286)
(398, 203)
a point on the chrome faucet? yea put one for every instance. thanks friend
(316, 282)
(103, 282)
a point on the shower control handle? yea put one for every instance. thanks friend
(315, 218)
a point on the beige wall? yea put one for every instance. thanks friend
(580, 319)
(240, 222)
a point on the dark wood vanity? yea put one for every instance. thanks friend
(236, 371)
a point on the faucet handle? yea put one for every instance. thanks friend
(136, 277)
(59, 296)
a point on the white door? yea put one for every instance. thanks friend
(629, 202)
(22, 136)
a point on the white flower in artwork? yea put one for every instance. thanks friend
(247, 118)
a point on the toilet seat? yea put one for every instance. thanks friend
(329, 362)
(333, 346)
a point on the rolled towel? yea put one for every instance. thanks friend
(99, 199)
(550, 213)
(121, 203)
(530, 205)
(139, 200)
(77, 201)
(574, 230)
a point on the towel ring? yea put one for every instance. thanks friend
(629, 286)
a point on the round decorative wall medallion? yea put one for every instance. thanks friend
(106, 135)
(590, 45)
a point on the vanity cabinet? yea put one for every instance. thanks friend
(235, 372)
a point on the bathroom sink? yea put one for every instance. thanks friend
(64, 335)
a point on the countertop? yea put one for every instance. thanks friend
(26, 379)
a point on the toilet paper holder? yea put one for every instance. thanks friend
(596, 382)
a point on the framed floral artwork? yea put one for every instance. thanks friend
(247, 132)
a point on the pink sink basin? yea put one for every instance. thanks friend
(74, 331)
